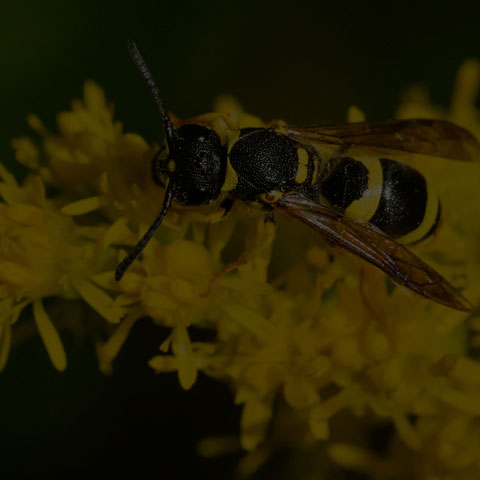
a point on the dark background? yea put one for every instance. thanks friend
(301, 61)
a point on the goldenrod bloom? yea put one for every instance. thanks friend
(296, 320)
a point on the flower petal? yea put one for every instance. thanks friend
(109, 350)
(50, 336)
(256, 416)
(83, 206)
(98, 299)
(182, 349)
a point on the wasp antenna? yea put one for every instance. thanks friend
(137, 250)
(148, 78)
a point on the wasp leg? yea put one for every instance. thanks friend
(221, 213)
(227, 205)
(268, 216)
(267, 236)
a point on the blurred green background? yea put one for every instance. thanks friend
(305, 62)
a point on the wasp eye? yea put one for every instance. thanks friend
(203, 164)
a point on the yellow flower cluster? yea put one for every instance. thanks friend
(296, 322)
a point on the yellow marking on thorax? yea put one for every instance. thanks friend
(431, 212)
(365, 207)
(302, 165)
(231, 176)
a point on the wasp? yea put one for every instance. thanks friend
(342, 180)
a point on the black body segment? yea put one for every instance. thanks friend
(396, 198)
(264, 160)
(403, 202)
(346, 182)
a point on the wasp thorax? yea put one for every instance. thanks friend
(199, 168)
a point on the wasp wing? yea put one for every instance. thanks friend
(373, 246)
(437, 138)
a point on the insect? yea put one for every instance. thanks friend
(342, 180)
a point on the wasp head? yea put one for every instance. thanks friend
(194, 164)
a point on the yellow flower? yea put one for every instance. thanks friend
(294, 320)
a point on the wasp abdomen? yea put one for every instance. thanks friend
(408, 208)
(384, 192)
(346, 182)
